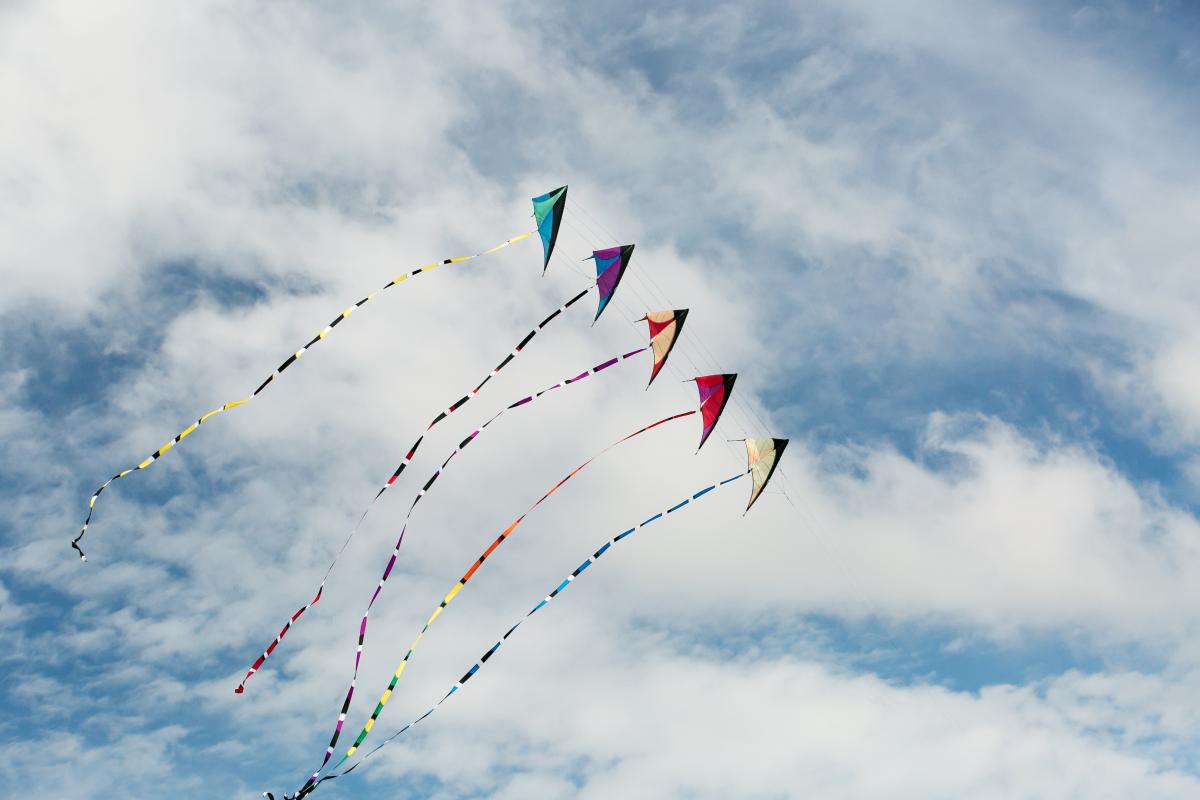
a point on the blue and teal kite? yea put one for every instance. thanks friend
(548, 212)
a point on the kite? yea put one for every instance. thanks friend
(542, 213)
(714, 394)
(547, 213)
(310, 786)
(420, 494)
(665, 327)
(762, 457)
(610, 268)
(445, 602)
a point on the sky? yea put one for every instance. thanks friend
(949, 249)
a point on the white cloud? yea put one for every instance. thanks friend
(698, 726)
(896, 189)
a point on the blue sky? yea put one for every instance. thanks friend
(949, 249)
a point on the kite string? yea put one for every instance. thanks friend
(395, 476)
(161, 451)
(309, 788)
(387, 694)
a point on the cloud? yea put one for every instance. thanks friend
(917, 233)
(709, 726)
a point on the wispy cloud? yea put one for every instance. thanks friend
(949, 249)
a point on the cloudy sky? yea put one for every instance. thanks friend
(950, 248)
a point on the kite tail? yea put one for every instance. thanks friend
(455, 406)
(420, 494)
(337, 732)
(150, 459)
(313, 783)
(387, 694)
(241, 687)
(279, 370)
